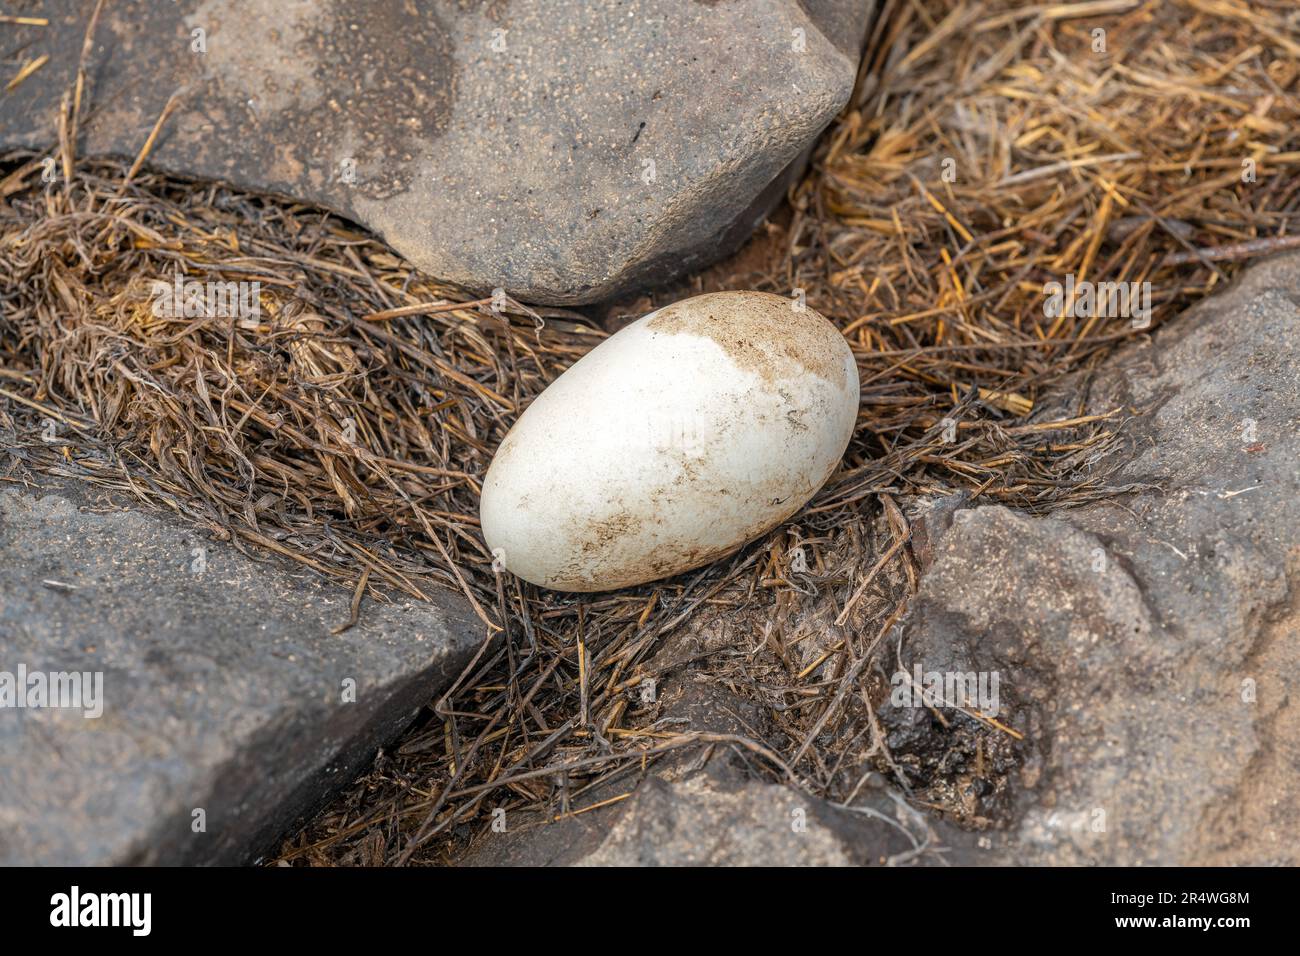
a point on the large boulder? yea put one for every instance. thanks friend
(1146, 646)
(225, 706)
(565, 151)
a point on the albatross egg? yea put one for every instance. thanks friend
(678, 439)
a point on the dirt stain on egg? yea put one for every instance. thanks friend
(602, 534)
(764, 334)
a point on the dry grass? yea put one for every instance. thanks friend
(348, 428)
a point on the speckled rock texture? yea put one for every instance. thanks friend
(229, 708)
(563, 150)
(1147, 647)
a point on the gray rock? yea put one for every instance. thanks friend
(1146, 647)
(712, 817)
(565, 151)
(702, 807)
(222, 686)
(696, 822)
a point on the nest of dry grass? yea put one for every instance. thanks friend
(990, 148)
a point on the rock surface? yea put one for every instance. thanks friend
(562, 150)
(223, 689)
(708, 812)
(1147, 647)
(701, 806)
(697, 823)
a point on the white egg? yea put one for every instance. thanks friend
(678, 439)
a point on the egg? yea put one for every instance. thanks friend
(673, 443)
